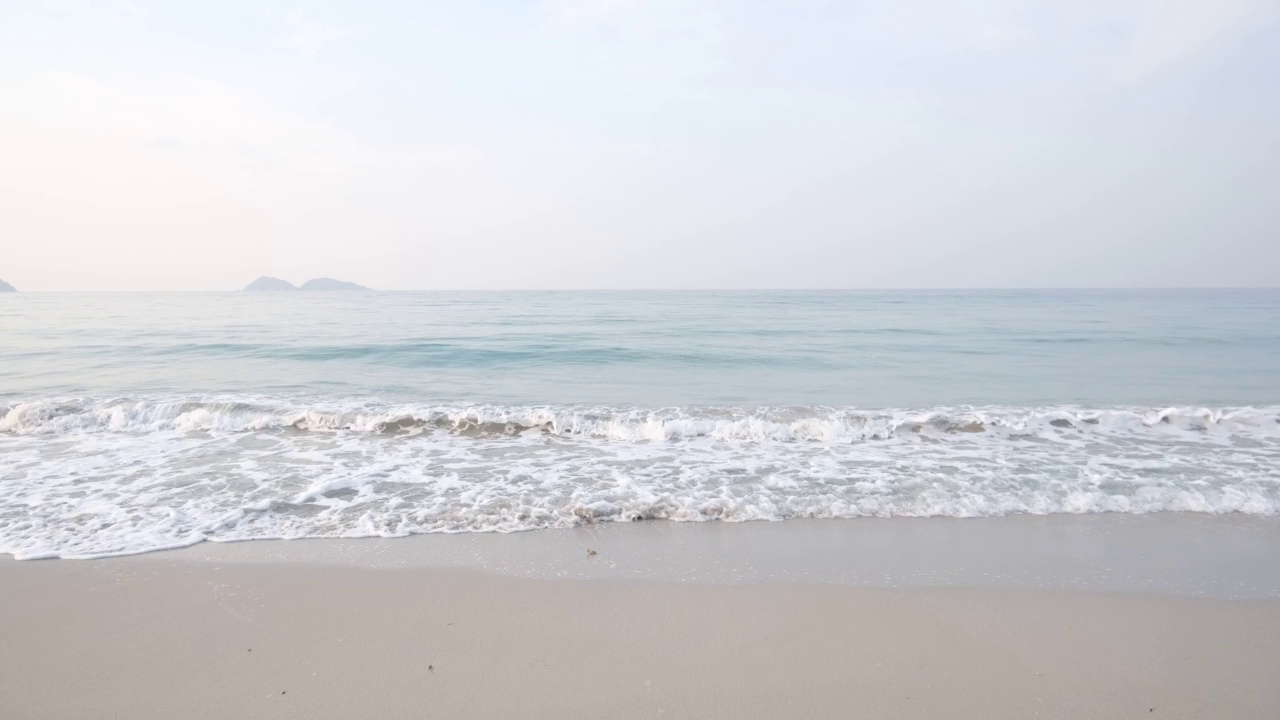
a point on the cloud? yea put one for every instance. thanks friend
(308, 35)
(574, 15)
(1170, 30)
(998, 36)
(167, 109)
(162, 169)
(650, 19)
(645, 40)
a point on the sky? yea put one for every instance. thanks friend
(640, 144)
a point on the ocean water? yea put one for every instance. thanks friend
(134, 422)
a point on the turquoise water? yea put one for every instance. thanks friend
(131, 422)
(865, 349)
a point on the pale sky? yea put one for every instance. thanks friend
(640, 143)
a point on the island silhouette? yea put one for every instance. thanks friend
(271, 284)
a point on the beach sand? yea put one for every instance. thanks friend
(235, 631)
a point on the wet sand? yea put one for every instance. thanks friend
(397, 629)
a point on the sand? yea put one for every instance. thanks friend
(210, 633)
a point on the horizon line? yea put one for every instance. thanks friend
(688, 289)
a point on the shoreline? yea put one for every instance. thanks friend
(502, 626)
(1194, 554)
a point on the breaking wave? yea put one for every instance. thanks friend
(816, 424)
(89, 477)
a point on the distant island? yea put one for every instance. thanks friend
(264, 284)
(270, 284)
(330, 284)
(6, 287)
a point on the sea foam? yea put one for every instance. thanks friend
(90, 477)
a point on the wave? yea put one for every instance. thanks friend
(534, 352)
(786, 424)
(90, 477)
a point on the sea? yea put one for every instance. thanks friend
(137, 422)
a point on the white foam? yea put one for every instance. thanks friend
(94, 477)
